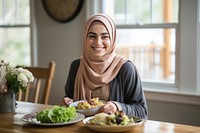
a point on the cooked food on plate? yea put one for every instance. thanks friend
(113, 119)
(92, 103)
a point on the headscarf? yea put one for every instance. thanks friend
(95, 73)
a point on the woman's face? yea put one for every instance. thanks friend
(98, 40)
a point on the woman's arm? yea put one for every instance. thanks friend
(126, 90)
(69, 87)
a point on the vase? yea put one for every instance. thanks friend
(7, 102)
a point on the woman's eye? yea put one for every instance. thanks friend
(92, 36)
(105, 37)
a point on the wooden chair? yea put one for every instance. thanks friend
(41, 86)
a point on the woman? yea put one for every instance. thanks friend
(101, 73)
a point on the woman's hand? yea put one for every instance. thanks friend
(67, 101)
(109, 107)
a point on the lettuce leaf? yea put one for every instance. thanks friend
(56, 114)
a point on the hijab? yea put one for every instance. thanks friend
(96, 72)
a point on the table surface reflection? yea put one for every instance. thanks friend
(12, 123)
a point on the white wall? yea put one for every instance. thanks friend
(62, 43)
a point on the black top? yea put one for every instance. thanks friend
(125, 89)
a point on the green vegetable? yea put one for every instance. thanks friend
(56, 114)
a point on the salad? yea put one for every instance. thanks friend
(56, 114)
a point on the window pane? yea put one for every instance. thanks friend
(143, 11)
(138, 11)
(15, 47)
(14, 12)
(164, 11)
(151, 50)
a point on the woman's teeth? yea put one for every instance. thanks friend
(97, 49)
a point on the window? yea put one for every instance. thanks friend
(147, 34)
(15, 31)
(184, 74)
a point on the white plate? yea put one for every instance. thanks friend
(31, 119)
(87, 112)
(121, 128)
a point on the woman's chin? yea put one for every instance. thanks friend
(99, 54)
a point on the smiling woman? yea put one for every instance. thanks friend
(99, 72)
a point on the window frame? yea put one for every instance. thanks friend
(33, 34)
(187, 87)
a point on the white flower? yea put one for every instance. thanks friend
(28, 74)
(22, 79)
(14, 78)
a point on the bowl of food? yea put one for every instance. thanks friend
(113, 122)
(88, 108)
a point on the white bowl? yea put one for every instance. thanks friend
(87, 112)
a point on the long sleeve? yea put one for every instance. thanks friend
(69, 87)
(126, 90)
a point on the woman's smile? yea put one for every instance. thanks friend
(98, 49)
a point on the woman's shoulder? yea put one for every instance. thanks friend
(74, 65)
(128, 65)
(128, 68)
(75, 62)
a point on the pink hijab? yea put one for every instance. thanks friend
(95, 73)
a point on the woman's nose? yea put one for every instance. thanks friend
(99, 40)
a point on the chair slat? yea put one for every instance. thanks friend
(27, 93)
(37, 92)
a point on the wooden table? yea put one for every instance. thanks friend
(12, 123)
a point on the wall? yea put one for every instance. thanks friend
(62, 43)
(174, 112)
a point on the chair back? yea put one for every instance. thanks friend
(41, 86)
